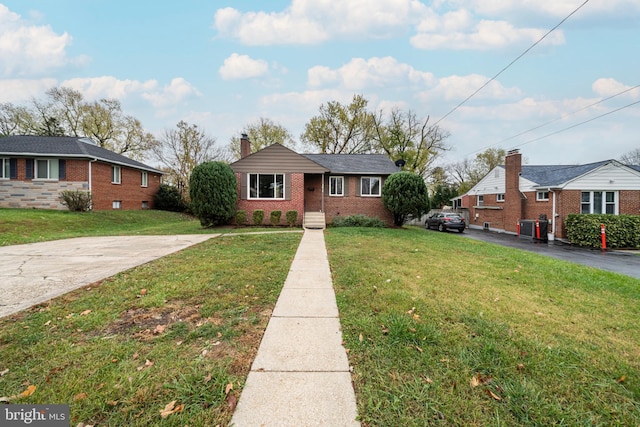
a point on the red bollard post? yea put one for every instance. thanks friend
(518, 227)
(604, 237)
(537, 229)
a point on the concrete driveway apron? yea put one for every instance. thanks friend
(34, 273)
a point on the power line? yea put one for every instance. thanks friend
(556, 119)
(510, 64)
(578, 124)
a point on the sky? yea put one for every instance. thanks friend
(224, 64)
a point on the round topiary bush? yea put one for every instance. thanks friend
(405, 194)
(213, 192)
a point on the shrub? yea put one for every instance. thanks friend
(76, 200)
(357, 221)
(258, 217)
(168, 198)
(275, 217)
(623, 231)
(213, 192)
(241, 217)
(292, 218)
(405, 194)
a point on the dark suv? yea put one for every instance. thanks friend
(445, 221)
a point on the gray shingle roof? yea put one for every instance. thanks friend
(552, 175)
(360, 164)
(65, 146)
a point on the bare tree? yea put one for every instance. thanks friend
(181, 150)
(631, 158)
(262, 133)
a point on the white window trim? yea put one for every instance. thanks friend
(341, 178)
(284, 186)
(5, 168)
(500, 198)
(379, 186)
(616, 202)
(144, 179)
(117, 179)
(116, 204)
(48, 177)
(480, 200)
(542, 199)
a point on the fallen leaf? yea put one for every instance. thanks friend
(520, 367)
(69, 316)
(413, 309)
(4, 399)
(143, 291)
(112, 402)
(48, 323)
(80, 396)
(419, 349)
(416, 316)
(3, 373)
(135, 355)
(84, 313)
(493, 395)
(427, 380)
(147, 364)
(385, 330)
(361, 338)
(232, 401)
(100, 386)
(475, 382)
(621, 379)
(171, 408)
(28, 392)
(159, 329)
(228, 388)
(346, 350)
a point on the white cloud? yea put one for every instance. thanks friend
(242, 67)
(316, 21)
(23, 90)
(608, 87)
(108, 87)
(178, 90)
(459, 32)
(359, 74)
(457, 88)
(552, 8)
(27, 50)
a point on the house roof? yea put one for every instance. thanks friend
(363, 164)
(555, 175)
(65, 146)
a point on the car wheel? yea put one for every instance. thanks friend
(461, 230)
(441, 227)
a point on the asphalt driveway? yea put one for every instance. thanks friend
(623, 262)
(37, 272)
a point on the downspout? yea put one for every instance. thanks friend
(553, 213)
(322, 197)
(90, 181)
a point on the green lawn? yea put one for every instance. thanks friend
(441, 330)
(444, 330)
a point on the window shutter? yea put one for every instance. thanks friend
(358, 183)
(327, 184)
(62, 169)
(345, 185)
(243, 186)
(287, 186)
(29, 168)
(13, 168)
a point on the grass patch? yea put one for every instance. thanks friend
(180, 328)
(444, 330)
(19, 226)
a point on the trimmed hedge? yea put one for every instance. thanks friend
(291, 217)
(241, 217)
(623, 231)
(357, 221)
(275, 217)
(258, 217)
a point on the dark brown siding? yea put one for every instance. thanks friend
(276, 159)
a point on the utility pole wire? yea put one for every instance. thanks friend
(510, 64)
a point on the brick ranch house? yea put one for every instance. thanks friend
(324, 185)
(514, 191)
(35, 169)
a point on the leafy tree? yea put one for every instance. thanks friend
(405, 194)
(64, 111)
(181, 150)
(168, 198)
(631, 158)
(442, 196)
(403, 136)
(468, 173)
(213, 191)
(341, 129)
(262, 133)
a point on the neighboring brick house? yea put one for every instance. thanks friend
(278, 178)
(514, 191)
(35, 169)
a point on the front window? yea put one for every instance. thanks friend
(144, 181)
(5, 168)
(599, 202)
(116, 175)
(500, 197)
(117, 204)
(370, 186)
(480, 200)
(266, 186)
(336, 186)
(542, 195)
(46, 169)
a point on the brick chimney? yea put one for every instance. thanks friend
(513, 197)
(245, 146)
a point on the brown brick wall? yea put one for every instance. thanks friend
(130, 191)
(295, 204)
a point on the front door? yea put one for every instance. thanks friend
(312, 193)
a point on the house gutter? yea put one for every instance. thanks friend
(90, 177)
(322, 196)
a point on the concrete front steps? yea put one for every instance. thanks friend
(314, 220)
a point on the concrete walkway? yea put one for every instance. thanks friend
(37, 272)
(300, 376)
